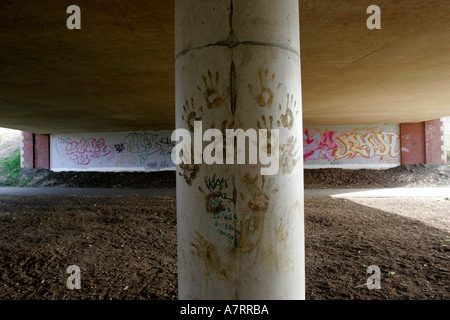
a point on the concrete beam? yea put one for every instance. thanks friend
(117, 72)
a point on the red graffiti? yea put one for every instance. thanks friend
(319, 146)
(84, 151)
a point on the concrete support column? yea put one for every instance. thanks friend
(240, 232)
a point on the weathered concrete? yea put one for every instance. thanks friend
(240, 233)
(117, 72)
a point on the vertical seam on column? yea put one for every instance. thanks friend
(235, 236)
(233, 94)
(230, 17)
(231, 39)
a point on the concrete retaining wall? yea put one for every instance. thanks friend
(374, 146)
(122, 151)
(350, 147)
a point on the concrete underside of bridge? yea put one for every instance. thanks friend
(118, 72)
(153, 66)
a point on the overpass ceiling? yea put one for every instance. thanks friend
(117, 73)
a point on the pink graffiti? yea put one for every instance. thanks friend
(84, 151)
(319, 146)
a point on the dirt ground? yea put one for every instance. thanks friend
(126, 246)
(403, 176)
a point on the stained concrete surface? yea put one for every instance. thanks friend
(117, 72)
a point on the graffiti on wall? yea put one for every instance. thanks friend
(83, 151)
(151, 151)
(146, 144)
(374, 143)
(319, 146)
(368, 145)
(141, 143)
(144, 150)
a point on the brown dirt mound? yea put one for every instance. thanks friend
(403, 176)
(135, 180)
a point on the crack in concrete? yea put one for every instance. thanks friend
(232, 41)
(233, 93)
